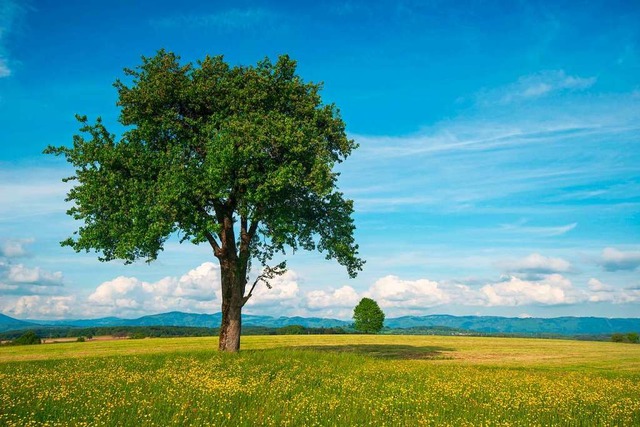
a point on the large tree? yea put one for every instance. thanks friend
(237, 157)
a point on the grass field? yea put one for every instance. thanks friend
(332, 380)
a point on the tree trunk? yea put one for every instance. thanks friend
(232, 293)
(230, 328)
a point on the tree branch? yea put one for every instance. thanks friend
(267, 274)
(214, 244)
(243, 224)
(217, 207)
(253, 228)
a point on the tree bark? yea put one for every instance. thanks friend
(232, 293)
(230, 328)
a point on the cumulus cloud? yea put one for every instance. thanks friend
(602, 292)
(37, 306)
(628, 295)
(552, 290)
(284, 292)
(614, 260)
(26, 290)
(35, 293)
(415, 295)
(20, 274)
(596, 285)
(391, 291)
(535, 265)
(19, 279)
(198, 290)
(344, 297)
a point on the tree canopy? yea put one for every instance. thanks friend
(368, 316)
(237, 157)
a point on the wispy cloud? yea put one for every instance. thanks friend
(552, 154)
(10, 11)
(14, 248)
(4, 68)
(521, 227)
(31, 192)
(535, 86)
(225, 20)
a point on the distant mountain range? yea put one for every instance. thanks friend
(516, 325)
(9, 323)
(484, 324)
(176, 318)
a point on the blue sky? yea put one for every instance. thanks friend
(497, 172)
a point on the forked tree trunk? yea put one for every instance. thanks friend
(232, 294)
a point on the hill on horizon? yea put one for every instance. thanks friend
(9, 323)
(483, 324)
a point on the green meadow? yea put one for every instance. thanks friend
(332, 380)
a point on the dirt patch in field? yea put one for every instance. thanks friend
(75, 339)
(58, 340)
(391, 351)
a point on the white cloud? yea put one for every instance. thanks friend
(535, 86)
(596, 285)
(414, 296)
(40, 307)
(199, 291)
(14, 248)
(391, 291)
(548, 231)
(552, 290)
(19, 274)
(10, 12)
(629, 295)
(284, 292)
(417, 295)
(196, 291)
(18, 279)
(4, 68)
(344, 297)
(536, 264)
(31, 192)
(602, 292)
(614, 260)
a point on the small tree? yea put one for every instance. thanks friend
(28, 338)
(633, 337)
(617, 337)
(368, 316)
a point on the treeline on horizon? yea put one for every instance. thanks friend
(134, 332)
(161, 331)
